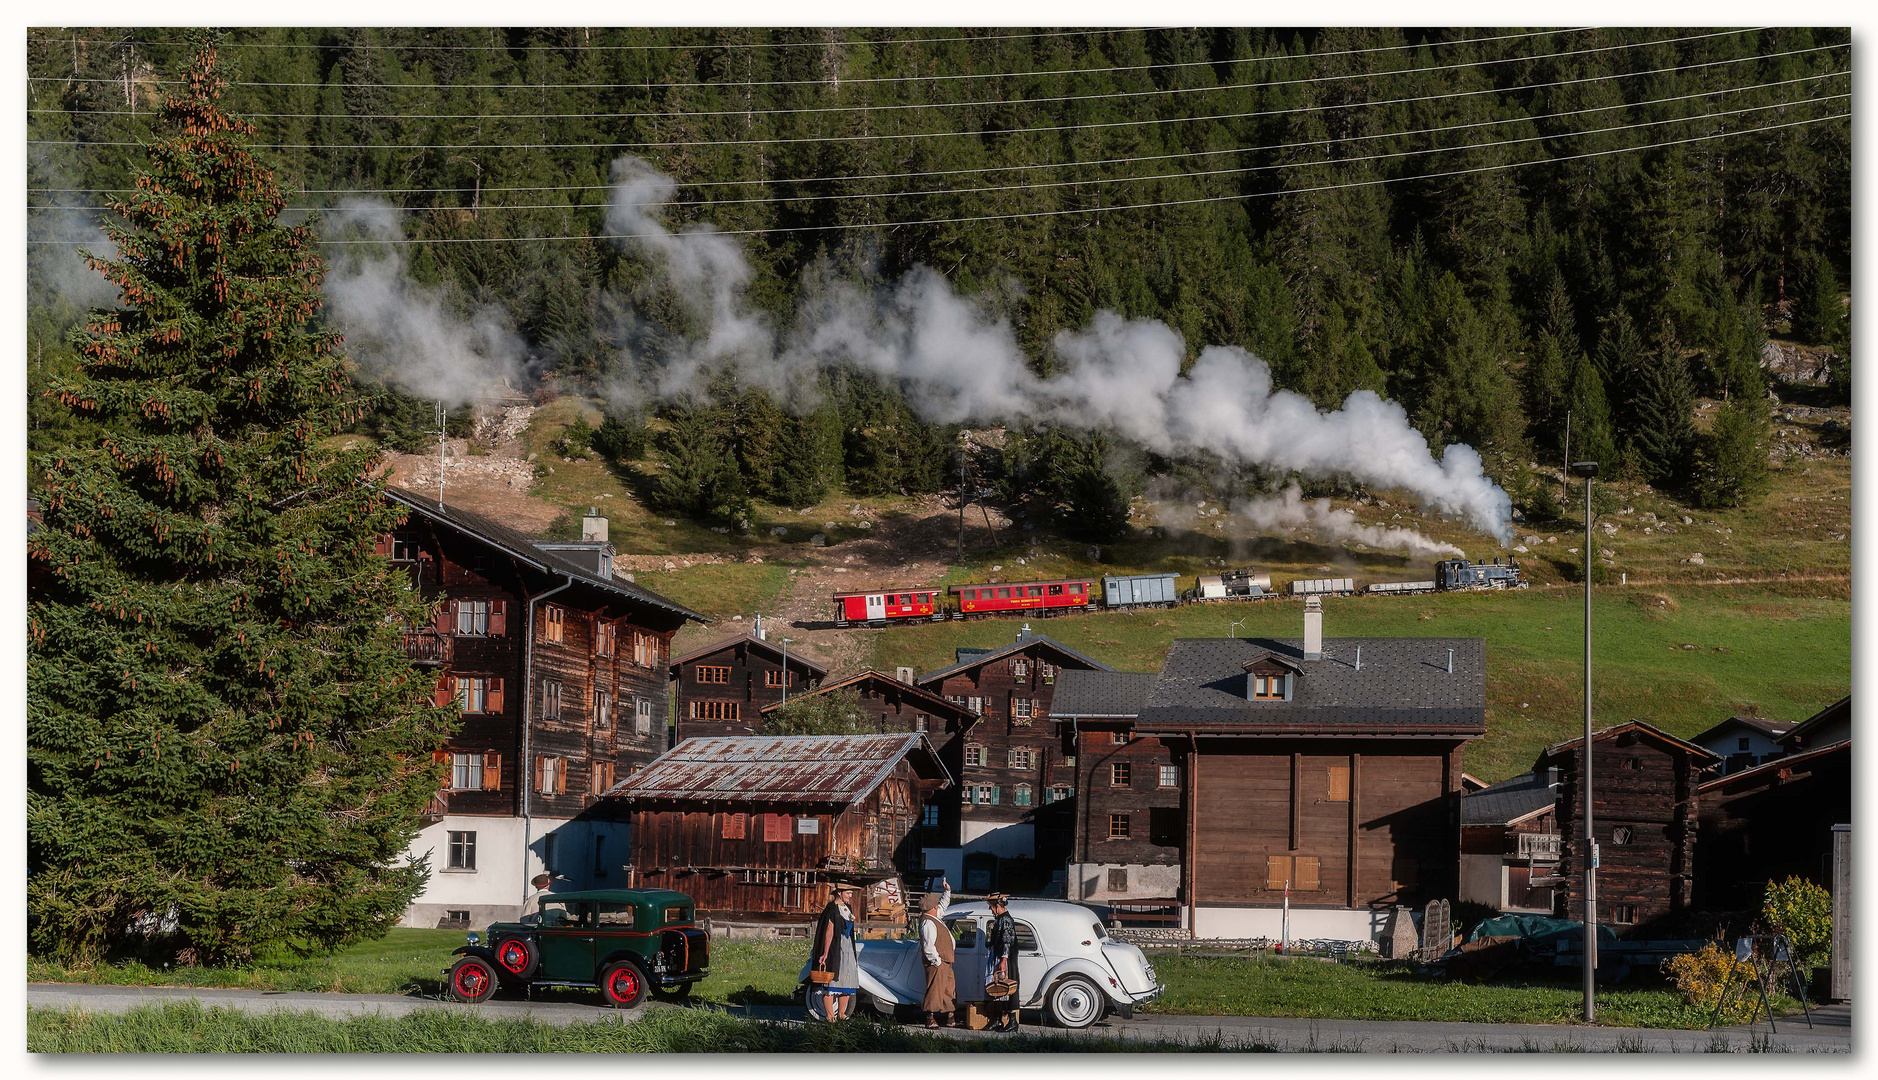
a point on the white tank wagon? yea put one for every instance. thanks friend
(1246, 584)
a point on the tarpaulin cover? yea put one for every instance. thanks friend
(1534, 928)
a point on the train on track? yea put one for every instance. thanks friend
(1057, 596)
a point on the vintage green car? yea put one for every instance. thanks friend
(624, 942)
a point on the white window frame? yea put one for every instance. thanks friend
(602, 709)
(1059, 792)
(642, 716)
(472, 693)
(974, 754)
(466, 772)
(982, 796)
(1020, 668)
(472, 618)
(1020, 710)
(551, 773)
(1170, 776)
(1022, 757)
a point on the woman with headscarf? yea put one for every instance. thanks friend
(834, 953)
(935, 946)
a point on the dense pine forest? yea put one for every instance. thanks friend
(1495, 228)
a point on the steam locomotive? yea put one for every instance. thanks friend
(1055, 596)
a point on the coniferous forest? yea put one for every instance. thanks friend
(1496, 228)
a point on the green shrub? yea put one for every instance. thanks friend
(1803, 911)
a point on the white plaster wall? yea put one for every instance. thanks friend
(1007, 841)
(1483, 880)
(1346, 924)
(1090, 881)
(498, 886)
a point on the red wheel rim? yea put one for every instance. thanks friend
(623, 984)
(472, 980)
(514, 956)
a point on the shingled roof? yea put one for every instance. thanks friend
(762, 645)
(527, 548)
(822, 769)
(975, 658)
(1404, 683)
(1100, 695)
(1508, 801)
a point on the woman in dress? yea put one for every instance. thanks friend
(835, 953)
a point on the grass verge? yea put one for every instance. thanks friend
(188, 1028)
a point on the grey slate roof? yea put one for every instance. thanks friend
(1016, 646)
(1100, 695)
(1507, 801)
(523, 546)
(1404, 682)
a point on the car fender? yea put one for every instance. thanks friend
(616, 956)
(485, 954)
(1095, 972)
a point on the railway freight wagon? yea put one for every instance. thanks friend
(887, 606)
(1141, 590)
(1398, 588)
(1065, 594)
(1330, 586)
(1246, 584)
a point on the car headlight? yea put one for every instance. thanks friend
(475, 938)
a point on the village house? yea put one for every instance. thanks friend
(1019, 760)
(1325, 771)
(721, 688)
(559, 670)
(756, 826)
(1643, 818)
(1775, 820)
(1510, 843)
(1743, 742)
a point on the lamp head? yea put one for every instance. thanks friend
(1586, 469)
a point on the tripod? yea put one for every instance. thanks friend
(1756, 956)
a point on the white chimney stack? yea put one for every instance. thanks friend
(593, 526)
(761, 634)
(1313, 629)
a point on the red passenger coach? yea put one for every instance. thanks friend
(1073, 594)
(879, 606)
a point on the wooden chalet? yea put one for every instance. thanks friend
(1275, 766)
(721, 689)
(1832, 724)
(559, 670)
(1510, 843)
(1743, 742)
(1774, 821)
(1018, 763)
(755, 826)
(1644, 815)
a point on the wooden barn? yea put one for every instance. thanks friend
(755, 826)
(721, 689)
(559, 670)
(1510, 843)
(1769, 823)
(1644, 783)
(1297, 766)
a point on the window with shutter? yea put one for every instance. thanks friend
(498, 618)
(554, 624)
(733, 827)
(1339, 783)
(1277, 872)
(446, 617)
(778, 828)
(492, 772)
(1305, 867)
(446, 690)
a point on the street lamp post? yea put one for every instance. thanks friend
(1588, 470)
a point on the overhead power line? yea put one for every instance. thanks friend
(701, 47)
(1238, 170)
(1081, 211)
(1033, 166)
(889, 79)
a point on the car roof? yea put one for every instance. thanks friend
(1025, 909)
(624, 896)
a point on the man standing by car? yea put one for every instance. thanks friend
(1001, 963)
(935, 946)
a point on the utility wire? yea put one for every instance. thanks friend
(1411, 133)
(888, 79)
(1239, 197)
(706, 46)
(1033, 166)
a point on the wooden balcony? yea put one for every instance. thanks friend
(429, 647)
(1539, 847)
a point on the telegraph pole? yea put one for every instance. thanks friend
(1589, 470)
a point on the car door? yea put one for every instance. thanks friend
(567, 943)
(877, 606)
(968, 957)
(1032, 964)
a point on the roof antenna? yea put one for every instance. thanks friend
(442, 415)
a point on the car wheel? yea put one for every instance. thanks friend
(1076, 1003)
(518, 956)
(472, 980)
(623, 984)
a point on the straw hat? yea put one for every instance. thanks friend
(1002, 899)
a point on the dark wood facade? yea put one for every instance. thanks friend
(1510, 844)
(722, 688)
(1130, 802)
(1644, 816)
(1771, 823)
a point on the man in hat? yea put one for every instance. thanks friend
(935, 946)
(1001, 960)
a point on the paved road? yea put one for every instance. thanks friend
(1831, 1031)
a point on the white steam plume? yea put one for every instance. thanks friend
(55, 272)
(404, 332)
(1289, 512)
(958, 362)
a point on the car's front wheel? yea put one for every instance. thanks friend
(623, 984)
(472, 980)
(1076, 1002)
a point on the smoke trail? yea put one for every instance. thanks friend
(406, 333)
(1288, 512)
(55, 273)
(956, 361)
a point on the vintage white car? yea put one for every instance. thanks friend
(1066, 964)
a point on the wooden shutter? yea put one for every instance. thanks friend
(441, 757)
(492, 772)
(560, 776)
(382, 546)
(446, 617)
(446, 689)
(1306, 871)
(777, 828)
(538, 765)
(1339, 783)
(1277, 872)
(733, 827)
(492, 697)
(498, 622)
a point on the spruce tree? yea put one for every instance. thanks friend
(1818, 312)
(1733, 467)
(700, 477)
(223, 728)
(1665, 435)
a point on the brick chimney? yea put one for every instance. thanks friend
(1313, 629)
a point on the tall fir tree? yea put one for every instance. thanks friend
(1732, 469)
(1665, 435)
(1818, 312)
(223, 728)
(700, 477)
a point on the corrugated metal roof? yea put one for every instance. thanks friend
(778, 768)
